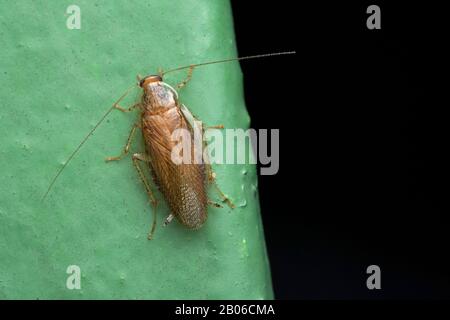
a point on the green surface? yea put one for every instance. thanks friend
(55, 84)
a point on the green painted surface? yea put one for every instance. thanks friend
(55, 84)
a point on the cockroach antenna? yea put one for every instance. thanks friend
(230, 59)
(84, 141)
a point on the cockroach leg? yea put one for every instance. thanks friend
(214, 204)
(188, 78)
(211, 176)
(127, 146)
(219, 126)
(212, 180)
(223, 196)
(134, 106)
(168, 219)
(143, 157)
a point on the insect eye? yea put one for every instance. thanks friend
(141, 83)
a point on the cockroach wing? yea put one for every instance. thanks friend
(193, 123)
(183, 185)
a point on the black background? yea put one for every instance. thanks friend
(362, 176)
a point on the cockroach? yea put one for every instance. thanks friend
(182, 185)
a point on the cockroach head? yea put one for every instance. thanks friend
(150, 79)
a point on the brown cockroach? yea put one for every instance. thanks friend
(182, 185)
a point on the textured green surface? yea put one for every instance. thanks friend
(55, 84)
